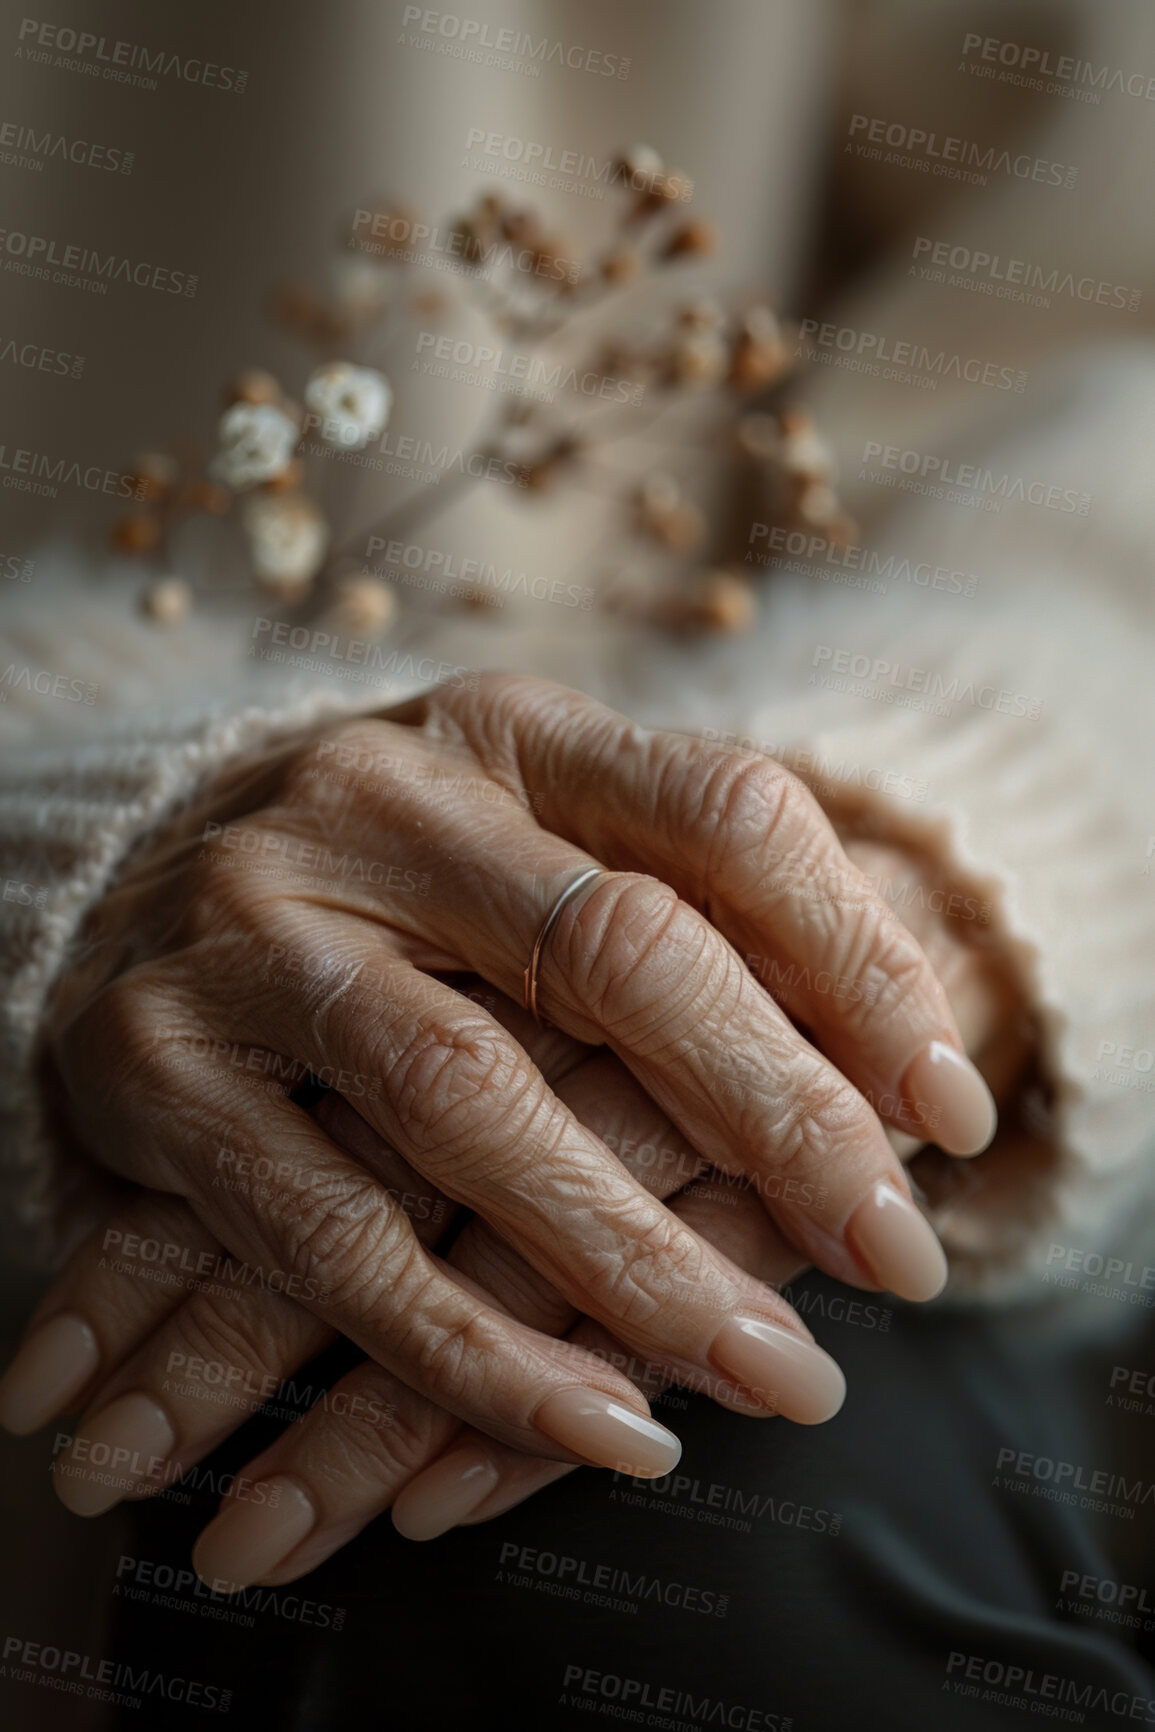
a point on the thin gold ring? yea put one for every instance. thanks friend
(547, 926)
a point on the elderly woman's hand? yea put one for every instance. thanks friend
(179, 1330)
(441, 838)
(475, 1479)
(207, 1349)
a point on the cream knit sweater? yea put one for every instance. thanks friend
(1007, 730)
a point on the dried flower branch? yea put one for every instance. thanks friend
(536, 293)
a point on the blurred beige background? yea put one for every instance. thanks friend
(245, 189)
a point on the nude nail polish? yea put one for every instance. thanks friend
(127, 1445)
(897, 1244)
(944, 1080)
(49, 1371)
(785, 1373)
(250, 1537)
(445, 1494)
(607, 1433)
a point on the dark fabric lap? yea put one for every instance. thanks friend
(932, 1558)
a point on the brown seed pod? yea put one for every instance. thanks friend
(522, 228)
(153, 476)
(721, 602)
(135, 534)
(290, 480)
(701, 315)
(664, 516)
(691, 239)
(364, 605)
(675, 187)
(287, 591)
(622, 265)
(429, 304)
(202, 494)
(552, 264)
(251, 386)
(754, 366)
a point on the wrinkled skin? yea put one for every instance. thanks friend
(438, 838)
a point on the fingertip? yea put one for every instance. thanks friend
(607, 1433)
(444, 1494)
(47, 1373)
(251, 1535)
(962, 1116)
(896, 1244)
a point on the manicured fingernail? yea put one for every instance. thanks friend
(445, 1494)
(127, 1443)
(946, 1081)
(51, 1367)
(783, 1372)
(608, 1433)
(250, 1538)
(897, 1244)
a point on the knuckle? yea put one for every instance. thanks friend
(383, 1434)
(747, 801)
(342, 1238)
(513, 695)
(758, 815)
(131, 1041)
(512, 701)
(445, 1344)
(454, 1085)
(504, 709)
(235, 1335)
(665, 1264)
(221, 898)
(131, 1079)
(636, 956)
(822, 1117)
(361, 744)
(889, 969)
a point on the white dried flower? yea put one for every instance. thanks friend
(166, 601)
(351, 403)
(640, 164)
(659, 492)
(806, 455)
(700, 358)
(365, 605)
(257, 441)
(288, 537)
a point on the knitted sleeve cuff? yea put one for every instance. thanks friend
(1032, 827)
(69, 819)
